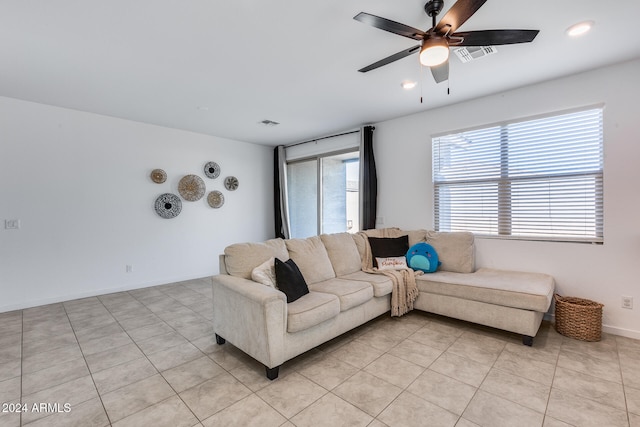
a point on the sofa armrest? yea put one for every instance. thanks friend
(251, 316)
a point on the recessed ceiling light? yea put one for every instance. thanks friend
(580, 28)
(408, 84)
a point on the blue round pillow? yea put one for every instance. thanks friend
(422, 256)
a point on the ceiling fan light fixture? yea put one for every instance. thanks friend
(434, 51)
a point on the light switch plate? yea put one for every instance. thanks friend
(12, 224)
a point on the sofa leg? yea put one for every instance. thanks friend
(527, 340)
(220, 340)
(272, 373)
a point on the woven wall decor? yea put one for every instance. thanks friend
(158, 176)
(168, 205)
(212, 170)
(215, 199)
(231, 183)
(191, 188)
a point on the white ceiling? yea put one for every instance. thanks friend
(220, 67)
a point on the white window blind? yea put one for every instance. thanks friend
(536, 179)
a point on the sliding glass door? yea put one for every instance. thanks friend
(323, 194)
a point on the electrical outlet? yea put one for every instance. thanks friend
(627, 302)
(129, 268)
(380, 220)
(11, 224)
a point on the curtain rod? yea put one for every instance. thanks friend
(319, 139)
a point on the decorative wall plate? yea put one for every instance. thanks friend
(191, 188)
(158, 176)
(168, 205)
(231, 183)
(215, 199)
(212, 170)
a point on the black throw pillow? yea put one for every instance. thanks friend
(289, 280)
(385, 247)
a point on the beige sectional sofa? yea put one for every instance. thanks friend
(257, 319)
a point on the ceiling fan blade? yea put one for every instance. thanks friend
(441, 72)
(389, 25)
(390, 59)
(457, 15)
(492, 37)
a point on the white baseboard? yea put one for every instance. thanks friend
(608, 329)
(97, 292)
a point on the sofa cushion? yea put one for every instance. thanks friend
(343, 253)
(242, 258)
(382, 285)
(350, 292)
(310, 310)
(289, 280)
(265, 273)
(456, 250)
(312, 259)
(529, 291)
(384, 247)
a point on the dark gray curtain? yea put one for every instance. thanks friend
(281, 211)
(368, 180)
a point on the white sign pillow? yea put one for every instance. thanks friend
(392, 263)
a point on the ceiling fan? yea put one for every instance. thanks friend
(435, 42)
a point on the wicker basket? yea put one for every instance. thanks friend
(579, 318)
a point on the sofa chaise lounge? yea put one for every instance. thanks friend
(258, 320)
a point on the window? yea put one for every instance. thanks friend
(538, 179)
(324, 194)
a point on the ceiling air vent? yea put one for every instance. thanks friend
(269, 123)
(471, 53)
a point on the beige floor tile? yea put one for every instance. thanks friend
(368, 392)
(605, 369)
(489, 410)
(582, 385)
(55, 375)
(433, 336)
(171, 412)
(229, 357)
(73, 392)
(394, 370)
(291, 394)
(214, 395)
(630, 365)
(411, 411)
(139, 321)
(634, 420)
(10, 417)
(47, 359)
(381, 339)
(93, 321)
(108, 342)
(357, 354)
(327, 371)
(465, 423)
(29, 348)
(113, 357)
(461, 368)
(633, 400)
(482, 349)
(146, 332)
(605, 349)
(533, 369)
(520, 390)
(207, 344)
(135, 397)
(579, 411)
(174, 356)
(192, 373)
(161, 342)
(10, 389)
(331, 411)
(98, 332)
(415, 352)
(248, 412)
(443, 391)
(86, 414)
(253, 375)
(552, 422)
(124, 374)
(10, 370)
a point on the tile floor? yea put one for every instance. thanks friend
(148, 358)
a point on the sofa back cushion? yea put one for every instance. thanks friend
(312, 259)
(241, 258)
(385, 247)
(456, 250)
(343, 253)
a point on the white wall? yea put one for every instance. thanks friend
(601, 273)
(80, 185)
